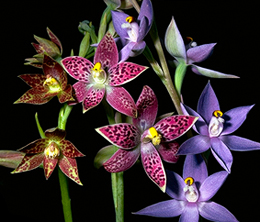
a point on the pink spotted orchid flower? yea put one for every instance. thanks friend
(51, 151)
(45, 86)
(132, 31)
(192, 194)
(103, 78)
(146, 138)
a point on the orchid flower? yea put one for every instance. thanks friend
(45, 87)
(50, 151)
(146, 138)
(192, 193)
(132, 31)
(103, 78)
(214, 128)
(52, 48)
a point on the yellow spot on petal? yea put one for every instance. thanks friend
(217, 113)
(129, 19)
(189, 181)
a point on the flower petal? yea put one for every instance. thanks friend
(66, 95)
(53, 68)
(36, 146)
(200, 126)
(143, 29)
(174, 42)
(122, 160)
(190, 213)
(195, 167)
(215, 212)
(104, 155)
(78, 67)
(55, 134)
(173, 127)
(106, 52)
(81, 91)
(168, 208)
(49, 165)
(211, 185)
(33, 96)
(168, 151)
(153, 165)
(234, 118)
(69, 150)
(175, 185)
(124, 72)
(54, 39)
(199, 53)
(146, 10)
(147, 106)
(69, 167)
(138, 48)
(237, 143)
(126, 51)
(210, 73)
(118, 19)
(221, 153)
(194, 145)
(94, 96)
(122, 135)
(35, 81)
(121, 101)
(208, 103)
(29, 162)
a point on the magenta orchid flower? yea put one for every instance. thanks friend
(50, 151)
(214, 128)
(146, 138)
(191, 54)
(132, 31)
(192, 193)
(103, 78)
(44, 87)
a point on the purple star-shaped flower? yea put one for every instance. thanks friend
(214, 129)
(131, 31)
(192, 194)
(103, 78)
(191, 54)
(146, 138)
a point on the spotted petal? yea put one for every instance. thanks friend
(69, 150)
(168, 152)
(66, 95)
(123, 135)
(121, 101)
(49, 165)
(81, 91)
(54, 39)
(29, 162)
(122, 160)
(78, 67)
(106, 52)
(35, 147)
(69, 167)
(33, 96)
(124, 72)
(173, 127)
(35, 81)
(147, 106)
(94, 96)
(153, 165)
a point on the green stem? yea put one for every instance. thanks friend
(65, 198)
(117, 179)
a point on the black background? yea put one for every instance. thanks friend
(232, 24)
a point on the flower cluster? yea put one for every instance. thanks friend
(134, 130)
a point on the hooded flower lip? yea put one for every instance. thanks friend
(191, 54)
(52, 48)
(103, 78)
(192, 193)
(214, 128)
(50, 151)
(44, 87)
(146, 138)
(132, 31)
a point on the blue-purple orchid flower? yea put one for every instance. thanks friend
(192, 193)
(146, 138)
(132, 31)
(103, 78)
(214, 129)
(191, 53)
